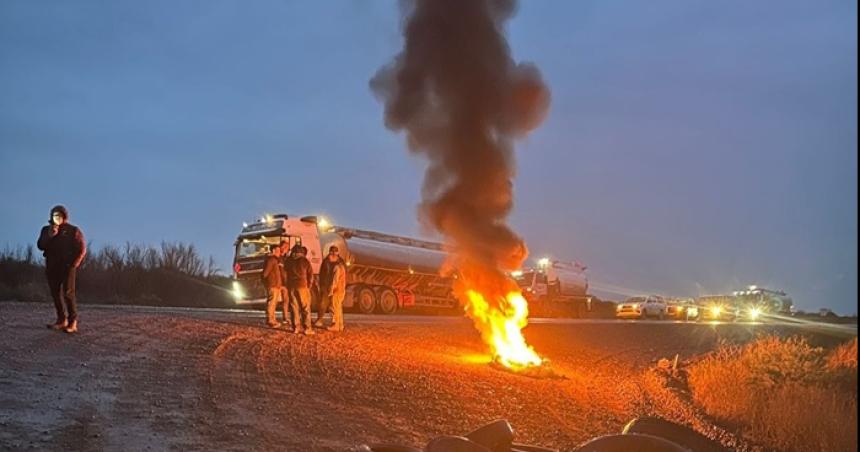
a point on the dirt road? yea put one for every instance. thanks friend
(192, 380)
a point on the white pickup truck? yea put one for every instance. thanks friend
(642, 307)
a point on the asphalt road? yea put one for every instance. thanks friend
(800, 325)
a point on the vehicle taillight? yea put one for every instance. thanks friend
(237, 268)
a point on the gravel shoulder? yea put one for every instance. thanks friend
(205, 380)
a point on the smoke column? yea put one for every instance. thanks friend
(462, 101)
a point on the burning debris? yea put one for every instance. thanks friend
(462, 101)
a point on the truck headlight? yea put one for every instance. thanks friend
(238, 293)
(716, 311)
(754, 313)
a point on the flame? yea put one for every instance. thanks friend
(501, 325)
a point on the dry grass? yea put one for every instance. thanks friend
(844, 356)
(782, 393)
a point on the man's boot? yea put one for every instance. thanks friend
(59, 325)
(72, 328)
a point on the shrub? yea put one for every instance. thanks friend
(782, 393)
(173, 274)
(843, 356)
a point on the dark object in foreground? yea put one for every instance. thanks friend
(645, 434)
(684, 436)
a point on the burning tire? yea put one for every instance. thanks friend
(678, 434)
(625, 443)
(387, 301)
(365, 300)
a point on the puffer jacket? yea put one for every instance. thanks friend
(300, 273)
(66, 249)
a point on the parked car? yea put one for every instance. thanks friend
(682, 311)
(641, 307)
(725, 312)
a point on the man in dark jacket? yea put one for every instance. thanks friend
(300, 275)
(64, 249)
(329, 288)
(273, 280)
(285, 293)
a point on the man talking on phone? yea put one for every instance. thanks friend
(64, 249)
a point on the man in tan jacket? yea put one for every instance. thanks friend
(332, 288)
(273, 280)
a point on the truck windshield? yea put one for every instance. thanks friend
(525, 279)
(251, 248)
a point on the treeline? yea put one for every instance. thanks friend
(174, 274)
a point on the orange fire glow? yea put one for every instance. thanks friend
(501, 323)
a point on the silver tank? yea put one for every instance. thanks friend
(384, 251)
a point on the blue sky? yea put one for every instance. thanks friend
(691, 147)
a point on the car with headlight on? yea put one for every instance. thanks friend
(682, 310)
(720, 312)
(641, 307)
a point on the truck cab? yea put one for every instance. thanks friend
(554, 288)
(252, 245)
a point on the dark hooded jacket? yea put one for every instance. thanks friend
(66, 249)
(300, 274)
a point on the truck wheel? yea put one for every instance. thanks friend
(387, 301)
(365, 300)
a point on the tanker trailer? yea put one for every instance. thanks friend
(387, 273)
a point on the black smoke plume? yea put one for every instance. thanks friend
(462, 101)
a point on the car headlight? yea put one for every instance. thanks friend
(238, 293)
(754, 313)
(716, 311)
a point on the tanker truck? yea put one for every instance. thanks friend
(386, 273)
(555, 288)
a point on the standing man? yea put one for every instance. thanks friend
(300, 275)
(64, 249)
(273, 279)
(285, 293)
(332, 289)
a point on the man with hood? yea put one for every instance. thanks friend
(332, 289)
(64, 249)
(300, 276)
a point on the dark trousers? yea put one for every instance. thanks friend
(61, 283)
(300, 305)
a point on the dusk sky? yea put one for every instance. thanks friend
(691, 147)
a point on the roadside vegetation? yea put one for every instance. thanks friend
(782, 393)
(173, 274)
